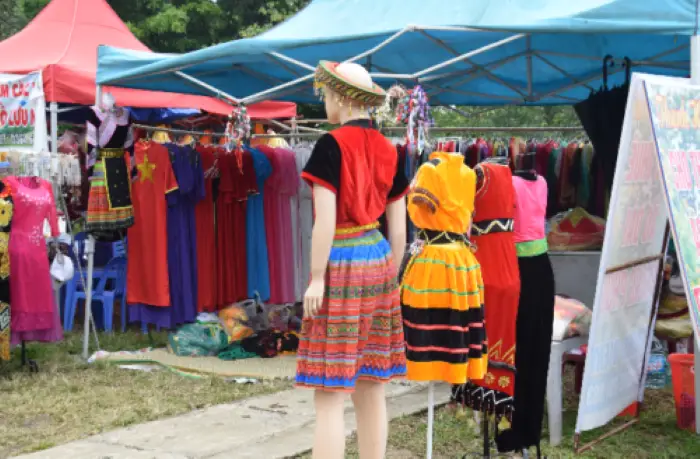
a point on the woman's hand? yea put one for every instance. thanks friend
(313, 298)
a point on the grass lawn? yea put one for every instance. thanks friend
(69, 399)
(654, 436)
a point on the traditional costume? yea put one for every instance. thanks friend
(535, 313)
(442, 292)
(357, 334)
(492, 232)
(109, 202)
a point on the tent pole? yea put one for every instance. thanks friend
(695, 79)
(208, 87)
(90, 252)
(464, 56)
(53, 108)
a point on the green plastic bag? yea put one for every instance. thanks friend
(198, 340)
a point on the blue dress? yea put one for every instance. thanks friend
(256, 239)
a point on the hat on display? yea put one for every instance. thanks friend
(327, 76)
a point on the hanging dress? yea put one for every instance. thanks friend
(535, 314)
(256, 232)
(6, 209)
(357, 334)
(147, 281)
(237, 182)
(34, 311)
(442, 290)
(206, 234)
(492, 233)
(280, 187)
(109, 202)
(182, 239)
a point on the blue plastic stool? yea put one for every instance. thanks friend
(114, 271)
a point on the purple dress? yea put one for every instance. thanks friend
(182, 243)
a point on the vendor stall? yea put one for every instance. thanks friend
(488, 53)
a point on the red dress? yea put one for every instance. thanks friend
(206, 236)
(234, 187)
(147, 266)
(492, 232)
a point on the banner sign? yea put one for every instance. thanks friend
(675, 111)
(22, 112)
(628, 273)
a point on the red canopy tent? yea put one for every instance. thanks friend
(62, 42)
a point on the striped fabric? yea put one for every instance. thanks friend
(100, 215)
(358, 333)
(442, 307)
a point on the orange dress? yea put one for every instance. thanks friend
(442, 290)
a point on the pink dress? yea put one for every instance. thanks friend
(34, 313)
(280, 188)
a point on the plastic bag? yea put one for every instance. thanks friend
(236, 323)
(198, 340)
(571, 318)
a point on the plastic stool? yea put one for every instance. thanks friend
(554, 384)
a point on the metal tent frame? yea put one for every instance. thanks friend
(434, 82)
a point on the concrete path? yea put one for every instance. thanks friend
(274, 426)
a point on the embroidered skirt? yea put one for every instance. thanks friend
(109, 201)
(358, 333)
(442, 298)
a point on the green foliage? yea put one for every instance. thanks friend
(176, 26)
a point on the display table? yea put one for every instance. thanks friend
(576, 274)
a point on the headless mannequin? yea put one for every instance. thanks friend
(368, 399)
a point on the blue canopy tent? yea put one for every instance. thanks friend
(481, 52)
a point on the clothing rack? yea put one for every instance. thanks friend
(514, 129)
(149, 128)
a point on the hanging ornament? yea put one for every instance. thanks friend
(386, 112)
(238, 130)
(413, 111)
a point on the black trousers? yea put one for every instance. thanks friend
(533, 345)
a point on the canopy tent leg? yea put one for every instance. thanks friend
(90, 252)
(53, 109)
(695, 79)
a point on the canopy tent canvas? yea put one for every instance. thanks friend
(481, 52)
(62, 42)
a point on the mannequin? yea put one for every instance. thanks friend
(535, 308)
(352, 338)
(492, 232)
(442, 292)
(108, 136)
(440, 204)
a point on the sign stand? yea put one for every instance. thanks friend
(578, 448)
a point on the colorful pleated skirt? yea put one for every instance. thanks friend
(358, 333)
(442, 297)
(109, 201)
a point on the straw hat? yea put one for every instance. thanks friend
(328, 76)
